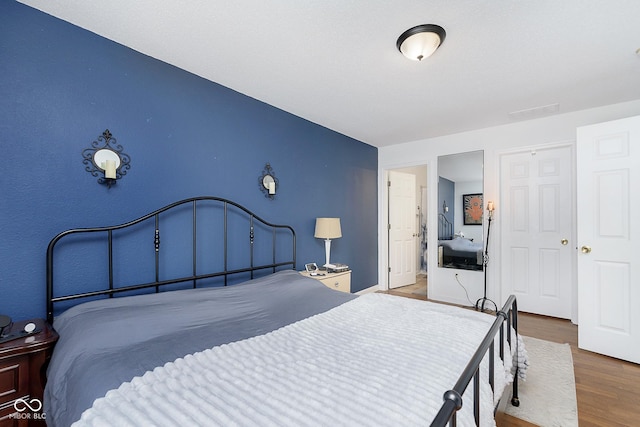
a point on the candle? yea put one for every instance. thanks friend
(490, 207)
(110, 169)
(272, 187)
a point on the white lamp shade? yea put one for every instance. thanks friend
(328, 228)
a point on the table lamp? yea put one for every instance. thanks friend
(327, 229)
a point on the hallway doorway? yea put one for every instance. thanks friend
(416, 290)
(407, 227)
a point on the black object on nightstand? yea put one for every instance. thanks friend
(23, 363)
(5, 321)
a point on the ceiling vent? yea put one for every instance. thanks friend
(532, 113)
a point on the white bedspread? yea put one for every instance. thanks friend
(377, 360)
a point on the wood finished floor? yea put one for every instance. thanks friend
(607, 389)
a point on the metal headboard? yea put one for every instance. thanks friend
(445, 228)
(154, 245)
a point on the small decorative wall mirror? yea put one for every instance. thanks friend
(106, 160)
(268, 182)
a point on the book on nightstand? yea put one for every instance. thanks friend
(337, 268)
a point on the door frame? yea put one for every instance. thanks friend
(574, 228)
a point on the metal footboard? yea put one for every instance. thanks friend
(506, 318)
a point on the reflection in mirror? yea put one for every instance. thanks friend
(460, 210)
(269, 183)
(101, 157)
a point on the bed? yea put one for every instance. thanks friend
(244, 339)
(462, 253)
(457, 251)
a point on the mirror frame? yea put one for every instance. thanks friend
(460, 254)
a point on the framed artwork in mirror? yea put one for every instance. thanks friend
(472, 208)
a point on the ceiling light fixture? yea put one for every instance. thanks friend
(420, 42)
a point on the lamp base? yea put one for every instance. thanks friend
(327, 253)
(481, 303)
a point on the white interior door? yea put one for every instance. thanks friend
(402, 229)
(535, 216)
(608, 157)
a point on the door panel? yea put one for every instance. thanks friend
(608, 282)
(536, 215)
(402, 229)
(519, 268)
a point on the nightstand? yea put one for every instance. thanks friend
(338, 281)
(23, 364)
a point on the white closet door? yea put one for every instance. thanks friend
(535, 219)
(608, 175)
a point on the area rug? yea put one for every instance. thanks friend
(548, 395)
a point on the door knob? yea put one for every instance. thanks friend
(564, 242)
(586, 249)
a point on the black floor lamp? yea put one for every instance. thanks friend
(485, 259)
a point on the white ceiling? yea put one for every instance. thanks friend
(335, 62)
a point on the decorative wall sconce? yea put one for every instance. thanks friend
(445, 208)
(268, 182)
(106, 160)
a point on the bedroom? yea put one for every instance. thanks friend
(184, 135)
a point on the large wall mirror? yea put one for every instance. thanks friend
(460, 210)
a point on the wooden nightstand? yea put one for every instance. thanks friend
(338, 281)
(23, 364)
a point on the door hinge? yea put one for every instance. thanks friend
(389, 269)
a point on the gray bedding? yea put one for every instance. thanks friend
(105, 343)
(462, 248)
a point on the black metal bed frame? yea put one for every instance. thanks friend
(194, 277)
(505, 318)
(445, 228)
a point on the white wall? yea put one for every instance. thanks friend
(494, 140)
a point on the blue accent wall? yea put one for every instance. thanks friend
(62, 86)
(446, 194)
